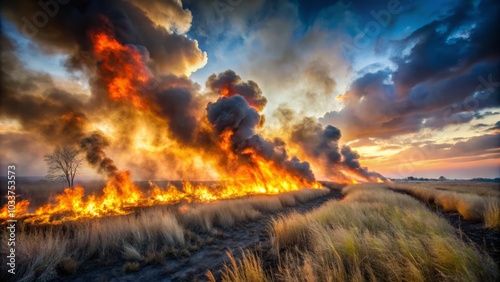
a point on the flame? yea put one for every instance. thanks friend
(121, 195)
(121, 68)
(21, 208)
(240, 171)
(224, 92)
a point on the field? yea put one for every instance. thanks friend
(366, 232)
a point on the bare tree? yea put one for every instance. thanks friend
(63, 164)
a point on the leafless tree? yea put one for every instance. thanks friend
(63, 164)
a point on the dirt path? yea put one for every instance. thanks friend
(470, 231)
(249, 235)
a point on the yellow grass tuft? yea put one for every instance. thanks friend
(491, 213)
(247, 269)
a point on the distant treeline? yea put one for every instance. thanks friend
(411, 178)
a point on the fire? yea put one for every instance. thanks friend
(121, 195)
(241, 169)
(21, 208)
(224, 92)
(122, 69)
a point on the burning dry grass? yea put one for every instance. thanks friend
(372, 235)
(147, 236)
(474, 201)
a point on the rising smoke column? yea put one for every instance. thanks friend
(236, 113)
(94, 145)
(322, 144)
(351, 160)
(235, 117)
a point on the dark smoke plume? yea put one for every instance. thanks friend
(323, 144)
(351, 160)
(177, 100)
(67, 26)
(234, 114)
(318, 142)
(232, 83)
(93, 146)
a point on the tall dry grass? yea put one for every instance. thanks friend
(145, 236)
(373, 234)
(474, 201)
(491, 213)
(248, 268)
(229, 212)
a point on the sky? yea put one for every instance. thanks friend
(413, 86)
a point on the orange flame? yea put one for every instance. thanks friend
(21, 208)
(242, 173)
(120, 195)
(121, 68)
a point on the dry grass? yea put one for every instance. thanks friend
(247, 269)
(372, 235)
(474, 201)
(67, 266)
(146, 236)
(229, 212)
(491, 213)
(131, 267)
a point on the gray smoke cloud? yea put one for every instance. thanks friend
(66, 30)
(233, 84)
(322, 143)
(351, 160)
(236, 115)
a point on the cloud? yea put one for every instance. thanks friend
(167, 13)
(495, 128)
(478, 147)
(228, 84)
(445, 78)
(67, 31)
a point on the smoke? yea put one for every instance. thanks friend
(93, 146)
(322, 144)
(351, 160)
(168, 14)
(228, 84)
(178, 102)
(36, 103)
(235, 115)
(66, 30)
(318, 142)
(136, 71)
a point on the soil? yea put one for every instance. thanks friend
(211, 256)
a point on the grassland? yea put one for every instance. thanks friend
(474, 201)
(373, 234)
(145, 237)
